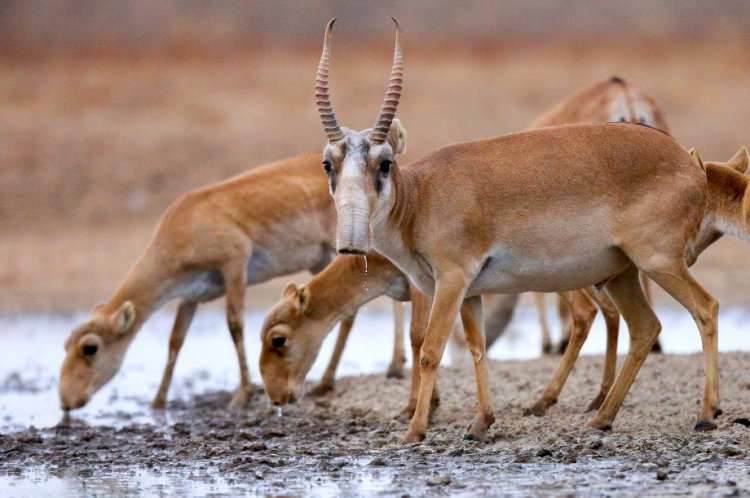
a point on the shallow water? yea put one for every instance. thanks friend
(32, 352)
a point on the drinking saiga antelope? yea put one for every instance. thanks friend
(306, 314)
(549, 210)
(272, 221)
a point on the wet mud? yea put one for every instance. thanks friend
(345, 443)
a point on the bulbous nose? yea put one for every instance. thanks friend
(68, 403)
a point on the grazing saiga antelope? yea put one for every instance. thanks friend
(272, 221)
(487, 216)
(294, 329)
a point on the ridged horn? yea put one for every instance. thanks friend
(333, 130)
(392, 93)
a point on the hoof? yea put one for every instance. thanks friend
(158, 404)
(718, 411)
(563, 345)
(704, 426)
(395, 371)
(547, 349)
(656, 348)
(596, 403)
(411, 437)
(321, 389)
(539, 409)
(241, 398)
(599, 426)
(471, 437)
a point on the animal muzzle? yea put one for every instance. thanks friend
(353, 229)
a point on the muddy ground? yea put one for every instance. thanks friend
(345, 443)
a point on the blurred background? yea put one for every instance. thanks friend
(111, 109)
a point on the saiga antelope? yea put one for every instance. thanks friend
(272, 221)
(339, 289)
(294, 328)
(487, 216)
(612, 100)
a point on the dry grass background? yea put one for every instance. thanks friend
(94, 147)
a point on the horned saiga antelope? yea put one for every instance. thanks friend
(272, 221)
(488, 216)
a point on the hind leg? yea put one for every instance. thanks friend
(612, 320)
(704, 309)
(235, 281)
(398, 359)
(325, 385)
(643, 326)
(185, 314)
(646, 284)
(471, 317)
(583, 312)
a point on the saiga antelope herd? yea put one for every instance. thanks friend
(565, 208)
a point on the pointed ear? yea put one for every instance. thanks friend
(289, 290)
(302, 300)
(740, 161)
(697, 157)
(397, 137)
(124, 317)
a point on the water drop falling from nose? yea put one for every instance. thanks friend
(279, 412)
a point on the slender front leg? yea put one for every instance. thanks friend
(327, 380)
(473, 322)
(705, 312)
(420, 314)
(396, 368)
(235, 281)
(612, 320)
(185, 314)
(449, 294)
(583, 312)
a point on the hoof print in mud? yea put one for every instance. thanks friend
(704, 426)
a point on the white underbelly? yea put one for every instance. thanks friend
(507, 273)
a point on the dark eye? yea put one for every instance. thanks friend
(327, 166)
(90, 349)
(385, 166)
(278, 342)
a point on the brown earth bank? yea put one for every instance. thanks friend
(349, 437)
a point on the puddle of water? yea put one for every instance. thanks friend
(590, 478)
(33, 351)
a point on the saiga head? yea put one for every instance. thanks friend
(360, 165)
(94, 353)
(291, 339)
(729, 211)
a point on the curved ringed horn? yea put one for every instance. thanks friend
(327, 116)
(392, 94)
